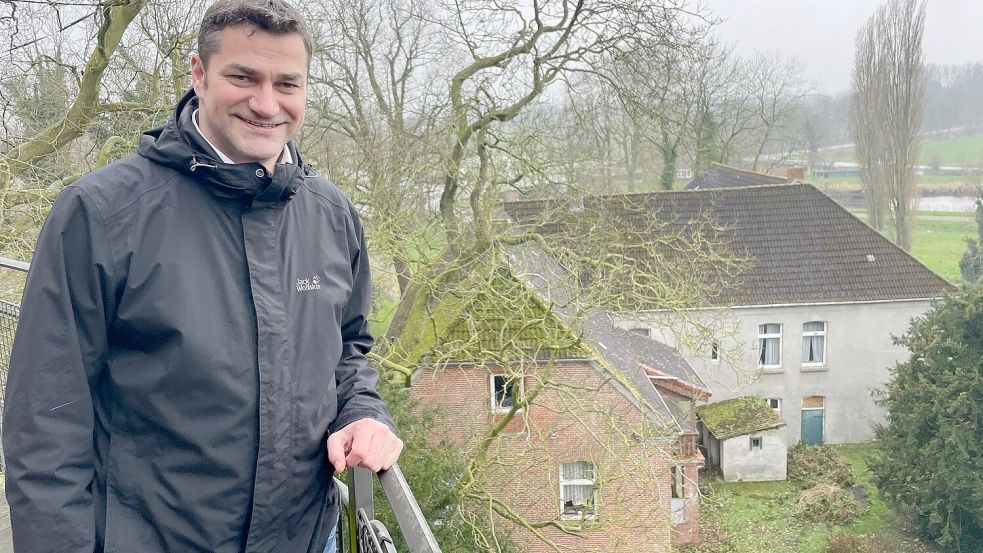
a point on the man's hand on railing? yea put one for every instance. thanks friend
(365, 443)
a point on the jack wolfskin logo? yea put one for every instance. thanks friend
(308, 284)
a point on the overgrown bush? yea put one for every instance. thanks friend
(931, 449)
(845, 543)
(827, 503)
(811, 465)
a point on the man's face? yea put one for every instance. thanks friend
(251, 96)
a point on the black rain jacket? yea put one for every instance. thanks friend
(191, 331)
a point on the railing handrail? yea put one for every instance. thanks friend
(412, 524)
(14, 264)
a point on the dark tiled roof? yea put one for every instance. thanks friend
(624, 348)
(739, 416)
(722, 176)
(802, 246)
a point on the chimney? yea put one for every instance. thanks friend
(795, 175)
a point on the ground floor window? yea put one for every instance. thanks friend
(578, 490)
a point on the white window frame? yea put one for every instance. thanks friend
(495, 406)
(715, 351)
(584, 515)
(778, 404)
(762, 337)
(810, 334)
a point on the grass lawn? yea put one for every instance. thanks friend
(939, 243)
(924, 181)
(964, 151)
(757, 517)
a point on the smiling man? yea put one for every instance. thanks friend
(189, 369)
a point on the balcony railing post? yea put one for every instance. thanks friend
(362, 498)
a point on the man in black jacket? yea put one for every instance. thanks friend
(189, 368)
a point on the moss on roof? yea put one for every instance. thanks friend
(738, 416)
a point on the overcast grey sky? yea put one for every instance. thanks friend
(821, 32)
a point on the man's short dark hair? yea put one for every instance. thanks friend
(273, 16)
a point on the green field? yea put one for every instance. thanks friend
(939, 243)
(965, 151)
(925, 182)
(757, 517)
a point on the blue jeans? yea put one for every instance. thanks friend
(332, 546)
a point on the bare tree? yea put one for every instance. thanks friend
(778, 91)
(87, 104)
(865, 116)
(889, 92)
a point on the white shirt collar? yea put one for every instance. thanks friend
(285, 156)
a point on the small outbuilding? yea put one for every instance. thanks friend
(744, 439)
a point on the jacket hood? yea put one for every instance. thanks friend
(180, 146)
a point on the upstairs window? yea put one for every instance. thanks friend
(775, 403)
(814, 343)
(578, 490)
(770, 345)
(715, 351)
(504, 392)
(644, 331)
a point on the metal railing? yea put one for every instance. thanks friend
(358, 530)
(9, 312)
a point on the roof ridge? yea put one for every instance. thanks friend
(657, 192)
(748, 171)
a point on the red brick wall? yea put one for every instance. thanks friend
(580, 416)
(689, 531)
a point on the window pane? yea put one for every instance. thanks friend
(578, 470)
(503, 392)
(812, 349)
(677, 482)
(815, 326)
(769, 329)
(769, 353)
(577, 494)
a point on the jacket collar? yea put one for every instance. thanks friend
(178, 145)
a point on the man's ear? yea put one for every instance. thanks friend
(197, 74)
